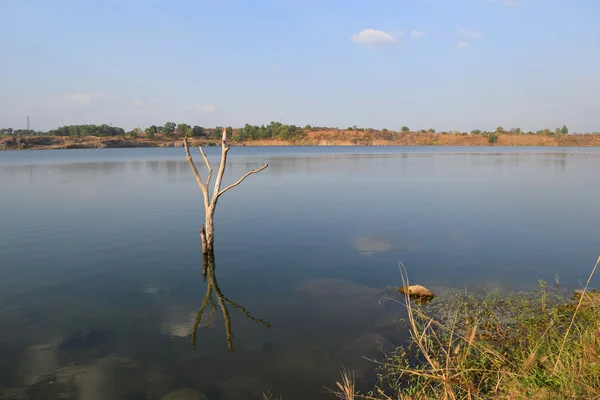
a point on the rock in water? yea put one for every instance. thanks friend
(416, 291)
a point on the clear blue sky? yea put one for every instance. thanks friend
(443, 64)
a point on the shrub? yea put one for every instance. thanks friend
(538, 345)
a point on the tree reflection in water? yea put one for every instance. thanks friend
(212, 288)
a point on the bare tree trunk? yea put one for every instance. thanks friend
(210, 202)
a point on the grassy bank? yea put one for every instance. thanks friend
(538, 345)
(312, 138)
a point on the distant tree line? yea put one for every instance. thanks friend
(87, 130)
(274, 130)
(517, 131)
(21, 132)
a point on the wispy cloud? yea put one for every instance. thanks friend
(82, 98)
(462, 45)
(203, 109)
(470, 34)
(415, 34)
(374, 36)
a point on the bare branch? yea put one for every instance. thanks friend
(254, 171)
(191, 161)
(207, 166)
(224, 150)
(203, 187)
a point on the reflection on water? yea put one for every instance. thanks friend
(371, 245)
(210, 277)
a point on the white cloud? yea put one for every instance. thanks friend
(203, 109)
(462, 45)
(82, 98)
(470, 34)
(373, 36)
(416, 34)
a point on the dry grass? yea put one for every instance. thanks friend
(522, 346)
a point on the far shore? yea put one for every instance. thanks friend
(319, 138)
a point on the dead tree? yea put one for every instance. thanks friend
(210, 202)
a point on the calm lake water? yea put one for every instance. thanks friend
(101, 266)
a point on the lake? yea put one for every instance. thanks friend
(101, 264)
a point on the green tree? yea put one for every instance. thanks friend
(517, 131)
(160, 129)
(74, 130)
(564, 130)
(431, 130)
(557, 131)
(547, 132)
(492, 137)
(405, 129)
(241, 134)
(476, 132)
(169, 128)
(150, 132)
(217, 132)
(499, 129)
(229, 131)
(135, 132)
(182, 129)
(198, 131)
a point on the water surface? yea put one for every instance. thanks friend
(101, 269)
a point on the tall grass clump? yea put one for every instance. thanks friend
(526, 345)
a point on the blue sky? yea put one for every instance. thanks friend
(443, 64)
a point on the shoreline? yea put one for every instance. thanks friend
(312, 139)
